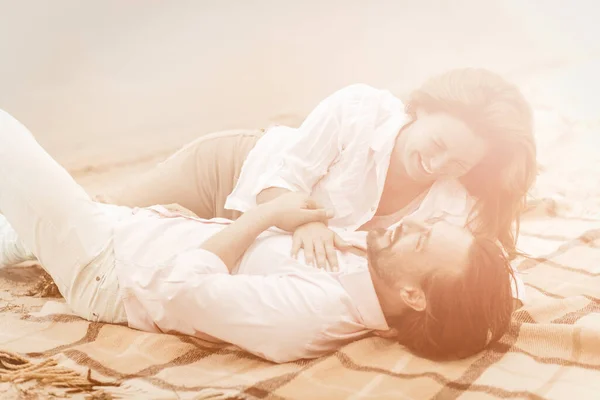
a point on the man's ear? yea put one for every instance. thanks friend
(414, 297)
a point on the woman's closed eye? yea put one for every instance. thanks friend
(439, 144)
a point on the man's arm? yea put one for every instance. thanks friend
(294, 209)
(278, 317)
(233, 241)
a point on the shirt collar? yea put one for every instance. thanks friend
(385, 135)
(359, 286)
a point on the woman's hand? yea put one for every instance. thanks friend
(319, 243)
(293, 209)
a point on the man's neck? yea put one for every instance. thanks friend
(390, 304)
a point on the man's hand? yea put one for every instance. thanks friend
(320, 243)
(291, 210)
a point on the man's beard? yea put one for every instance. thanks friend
(374, 253)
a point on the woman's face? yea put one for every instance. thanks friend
(438, 145)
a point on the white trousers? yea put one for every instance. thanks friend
(70, 234)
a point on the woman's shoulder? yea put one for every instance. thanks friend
(363, 91)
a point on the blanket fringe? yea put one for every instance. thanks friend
(17, 369)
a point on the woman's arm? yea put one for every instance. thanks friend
(269, 194)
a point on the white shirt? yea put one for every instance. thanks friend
(272, 305)
(341, 154)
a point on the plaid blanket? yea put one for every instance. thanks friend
(552, 350)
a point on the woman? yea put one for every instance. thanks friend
(460, 147)
(467, 124)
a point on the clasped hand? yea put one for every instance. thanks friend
(299, 213)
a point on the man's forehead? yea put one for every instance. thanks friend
(438, 226)
(443, 230)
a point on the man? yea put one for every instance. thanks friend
(432, 287)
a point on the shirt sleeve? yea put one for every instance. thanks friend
(298, 158)
(276, 317)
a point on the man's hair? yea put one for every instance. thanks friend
(498, 112)
(465, 312)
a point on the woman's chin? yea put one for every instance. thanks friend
(419, 175)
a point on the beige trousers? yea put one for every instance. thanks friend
(198, 177)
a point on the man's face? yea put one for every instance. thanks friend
(416, 248)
